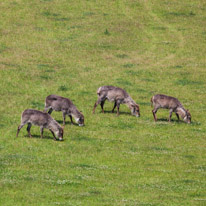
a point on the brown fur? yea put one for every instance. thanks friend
(65, 105)
(173, 104)
(118, 96)
(41, 119)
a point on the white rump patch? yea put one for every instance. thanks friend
(98, 91)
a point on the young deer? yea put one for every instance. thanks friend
(57, 103)
(41, 119)
(171, 103)
(118, 96)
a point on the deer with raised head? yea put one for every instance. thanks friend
(173, 104)
(65, 105)
(41, 119)
(118, 96)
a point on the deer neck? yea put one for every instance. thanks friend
(181, 111)
(130, 105)
(54, 126)
(76, 115)
(129, 101)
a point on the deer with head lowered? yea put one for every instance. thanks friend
(41, 119)
(118, 96)
(58, 103)
(173, 104)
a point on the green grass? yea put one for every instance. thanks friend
(70, 48)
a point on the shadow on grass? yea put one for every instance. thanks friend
(172, 120)
(193, 123)
(67, 123)
(115, 113)
(177, 121)
(39, 137)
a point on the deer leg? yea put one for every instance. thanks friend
(19, 128)
(98, 102)
(154, 114)
(28, 129)
(115, 104)
(50, 110)
(64, 117)
(71, 119)
(102, 106)
(95, 105)
(46, 108)
(118, 105)
(170, 115)
(177, 116)
(42, 131)
(53, 134)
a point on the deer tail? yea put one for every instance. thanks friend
(151, 101)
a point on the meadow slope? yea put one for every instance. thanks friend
(70, 48)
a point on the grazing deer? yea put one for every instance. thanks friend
(118, 96)
(171, 103)
(57, 103)
(41, 119)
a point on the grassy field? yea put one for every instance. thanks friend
(70, 48)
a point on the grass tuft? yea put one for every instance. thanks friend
(106, 32)
(128, 65)
(122, 56)
(63, 88)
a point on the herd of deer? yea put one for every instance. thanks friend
(110, 93)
